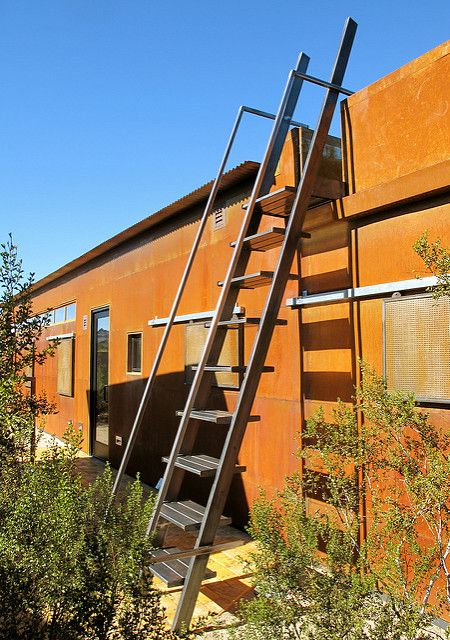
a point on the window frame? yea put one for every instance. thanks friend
(129, 370)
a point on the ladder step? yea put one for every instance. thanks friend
(215, 415)
(201, 465)
(187, 515)
(173, 572)
(172, 553)
(266, 240)
(236, 321)
(277, 203)
(231, 369)
(254, 280)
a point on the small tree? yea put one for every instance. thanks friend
(437, 261)
(368, 515)
(19, 333)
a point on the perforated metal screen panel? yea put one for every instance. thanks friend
(195, 337)
(65, 367)
(417, 346)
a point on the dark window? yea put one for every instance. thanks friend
(417, 346)
(134, 364)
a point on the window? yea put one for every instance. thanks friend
(64, 357)
(231, 354)
(61, 314)
(417, 346)
(70, 311)
(134, 361)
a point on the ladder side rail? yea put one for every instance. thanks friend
(262, 184)
(170, 320)
(224, 474)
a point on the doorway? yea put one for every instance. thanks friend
(100, 383)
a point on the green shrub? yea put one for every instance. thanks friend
(325, 569)
(68, 568)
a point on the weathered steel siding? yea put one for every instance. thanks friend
(398, 168)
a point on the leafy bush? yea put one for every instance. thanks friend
(68, 569)
(19, 332)
(357, 545)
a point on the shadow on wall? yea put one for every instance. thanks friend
(158, 432)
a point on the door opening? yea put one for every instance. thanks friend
(100, 383)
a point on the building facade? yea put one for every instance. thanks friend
(390, 183)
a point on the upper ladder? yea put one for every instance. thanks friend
(183, 458)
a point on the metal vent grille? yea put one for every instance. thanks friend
(417, 346)
(219, 219)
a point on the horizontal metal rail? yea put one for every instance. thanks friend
(324, 83)
(361, 293)
(271, 116)
(199, 551)
(190, 317)
(61, 336)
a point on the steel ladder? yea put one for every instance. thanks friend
(292, 204)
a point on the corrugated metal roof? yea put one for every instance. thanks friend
(230, 178)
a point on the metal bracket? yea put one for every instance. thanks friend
(323, 83)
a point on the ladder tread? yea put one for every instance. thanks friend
(215, 415)
(210, 415)
(201, 464)
(218, 368)
(254, 280)
(173, 572)
(238, 320)
(268, 239)
(187, 515)
(276, 203)
(265, 240)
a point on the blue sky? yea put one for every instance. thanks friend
(111, 109)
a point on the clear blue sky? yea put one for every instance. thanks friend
(111, 109)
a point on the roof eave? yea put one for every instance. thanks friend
(233, 177)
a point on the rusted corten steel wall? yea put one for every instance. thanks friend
(396, 162)
(396, 157)
(137, 281)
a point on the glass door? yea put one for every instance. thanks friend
(100, 383)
